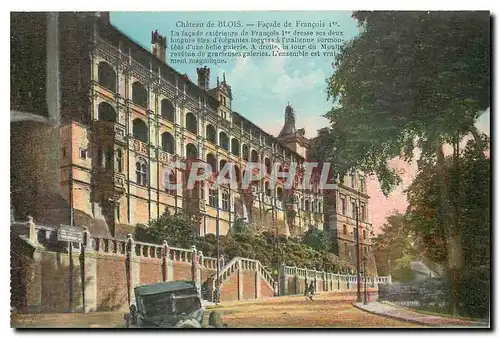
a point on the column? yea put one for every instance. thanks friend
(240, 281)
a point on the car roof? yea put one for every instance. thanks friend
(155, 288)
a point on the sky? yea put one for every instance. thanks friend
(262, 87)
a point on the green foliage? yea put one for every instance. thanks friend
(469, 184)
(394, 248)
(315, 239)
(180, 230)
(409, 79)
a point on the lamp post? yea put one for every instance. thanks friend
(365, 301)
(358, 272)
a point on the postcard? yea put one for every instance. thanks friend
(260, 169)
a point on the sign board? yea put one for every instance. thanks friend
(66, 233)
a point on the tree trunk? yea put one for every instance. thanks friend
(452, 234)
(478, 142)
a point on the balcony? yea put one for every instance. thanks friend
(106, 131)
(164, 157)
(140, 147)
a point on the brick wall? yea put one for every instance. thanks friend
(182, 271)
(111, 283)
(249, 290)
(265, 290)
(229, 289)
(151, 270)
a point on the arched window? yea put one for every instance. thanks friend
(279, 194)
(245, 152)
(364, 234)
(191, 123)
(168, 143)
(167, 110)
(344, 229)
(267, 163)
(235, 147)
(313, 204)
(141, 172)
(307, 206)
(106, 76)
(266, 188)
(119, 160)
(106, 112)
(212, 161)
(225, 200)
(191, 152)
(302, 204)
(223, 140)
(210, 133)
(254, 156)
(139, 94)
(213, 197)
(140, 130)
(172, 180)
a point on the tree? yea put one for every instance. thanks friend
(315, 239)
(395, 249)
(410, 79)
(179, 230)
(470, 194)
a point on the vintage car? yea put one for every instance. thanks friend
(175, 304)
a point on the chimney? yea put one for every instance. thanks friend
(159, 45)
(104, 17)
(203, 77)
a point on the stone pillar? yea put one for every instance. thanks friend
(297, 282)
(165, 258)
(91, 257)
(133, 273)
(240, 280)
(257, 281)
(282, 281)
(199, 279)
(194, 264)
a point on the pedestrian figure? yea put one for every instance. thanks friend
(306, 291)
(311, 290)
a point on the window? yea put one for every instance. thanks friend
(210, 134)
(118, 212)
(106, 112)
(83, 153)
(365, 249)
(361, 184)
(344, 229)
(109, 158)
(362, 211)
(139, 94)
(213, 198)
(353, 181)
(353, 208)
(172, 181)
(167, 110)
(223, 140)
(235, 147)
(140, 130)
(344, 206)
(141, 173)
(191, 123)
(225, 201)
(364, 234)
(119, 161)
(202, 191)
(168, 143)
(106, 76)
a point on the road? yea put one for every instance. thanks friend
(325, 311)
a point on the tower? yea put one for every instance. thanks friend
(292, 137)
(203, 77)
(159, 45)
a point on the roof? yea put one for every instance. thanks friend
(173, 286)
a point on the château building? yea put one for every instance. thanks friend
(126, 115)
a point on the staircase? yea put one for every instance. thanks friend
(241, 278)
